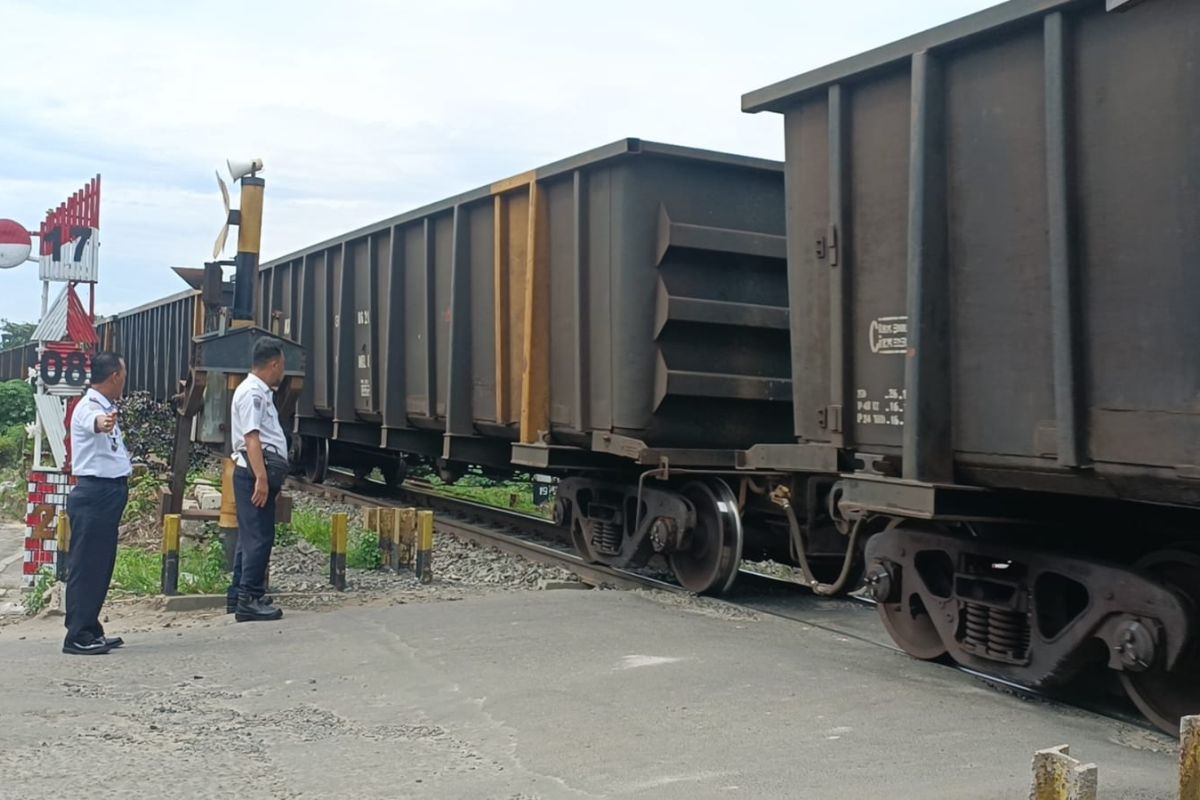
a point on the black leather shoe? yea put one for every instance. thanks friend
(94, 647)
(255, 610)
(231, 602)
(113, 641)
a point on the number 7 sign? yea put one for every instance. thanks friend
(70, 238)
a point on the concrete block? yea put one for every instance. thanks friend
(1057, 776)
(1189, 758)
(208, 500)
(193, 602)
(206, 602)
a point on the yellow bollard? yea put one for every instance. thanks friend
(170, 555)
(424, 568)
(62, 545)
(1189, 758)
(1057, 776)
(337, 551)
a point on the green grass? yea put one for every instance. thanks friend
(35, 601)
(515, 495)
(310, 526)
(201, 570)
(362, 549)
(200, 475)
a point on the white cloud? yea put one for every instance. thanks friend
(366, 108)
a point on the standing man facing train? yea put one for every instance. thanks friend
(260, 459)
(95, 506)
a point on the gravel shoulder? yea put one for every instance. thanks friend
(301, 571)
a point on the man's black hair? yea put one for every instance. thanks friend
(266, 350)
(104, 366)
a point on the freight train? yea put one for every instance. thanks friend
(945, 352)
(157, 337)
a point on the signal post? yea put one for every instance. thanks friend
(222, 349)
(67, 254)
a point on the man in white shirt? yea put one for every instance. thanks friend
(102, 467)
(259, 451)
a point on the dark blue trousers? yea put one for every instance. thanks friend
(256, 537)
(95, 507)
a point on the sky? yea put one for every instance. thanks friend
(364, 109)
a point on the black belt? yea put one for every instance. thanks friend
(122, 480)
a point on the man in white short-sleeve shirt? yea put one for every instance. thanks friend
(95, 506)
(256, 438)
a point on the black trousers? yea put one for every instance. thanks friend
(256, 537)
(95, 507)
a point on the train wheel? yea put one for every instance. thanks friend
(450, 471)
(714, 552)
(910, 627)
(316, 462)
(1165, 696)
(394, 474)
(296, 454)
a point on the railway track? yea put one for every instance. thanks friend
(541, 541)
(530, 537)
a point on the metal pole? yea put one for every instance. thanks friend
(246, 262)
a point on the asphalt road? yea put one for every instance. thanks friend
(561, 694)
(12, 557)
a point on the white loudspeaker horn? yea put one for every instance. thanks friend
(240, 169)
